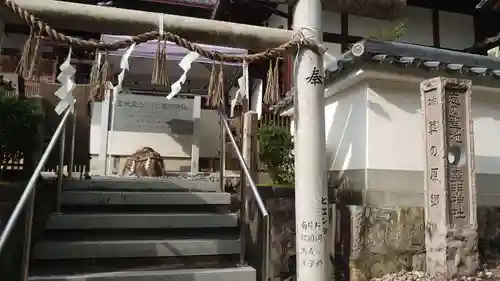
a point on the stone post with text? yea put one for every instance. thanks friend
(450, 192)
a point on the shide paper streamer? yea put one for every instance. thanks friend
(330, 62)
(242, 93)
(245, 81)
(185, 64)
(65, 93)
(260, 98)
(124, 65)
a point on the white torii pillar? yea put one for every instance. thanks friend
(311, 198)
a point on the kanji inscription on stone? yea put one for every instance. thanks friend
(449, 178)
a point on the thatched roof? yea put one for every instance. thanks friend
(381, 9)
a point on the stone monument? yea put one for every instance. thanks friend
(450, 192)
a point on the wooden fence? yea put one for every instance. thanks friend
(281, 121)
(81, 160)
(17, 164)
(271, 118)
(232, 162)
(14, 87)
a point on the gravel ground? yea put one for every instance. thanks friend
(486, 274)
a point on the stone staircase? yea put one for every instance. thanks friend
(118, 229)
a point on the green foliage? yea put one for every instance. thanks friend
(276, 152)
(393, 34)
(18, 128)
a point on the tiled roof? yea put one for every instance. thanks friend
(408, 56)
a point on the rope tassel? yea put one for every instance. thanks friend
(211, 84)
(98, 77)
(216, 86)
(220, 86)
(272, 92)
(94, 80)
(160, 76)
(30, 58)
(276, 79)
(103, 77)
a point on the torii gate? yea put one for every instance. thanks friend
(312, 219)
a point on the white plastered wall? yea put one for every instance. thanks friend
(345, 121)
(395, 137)
(376, 123)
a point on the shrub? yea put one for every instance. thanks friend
(18, 128)
(276, 152)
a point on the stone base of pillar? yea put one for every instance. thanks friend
(461, 252)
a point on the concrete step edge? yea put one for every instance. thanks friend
(224, 274)
(144, 198)
(143, 221)
(52, 250)
(166, 185)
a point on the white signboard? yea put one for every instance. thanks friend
(153, 114)
(144, 120)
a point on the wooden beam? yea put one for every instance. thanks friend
(193, 4)
(2, 34)
(344, 31)
(220, 10)
(271, 8)
(216, 11)
(435, 28)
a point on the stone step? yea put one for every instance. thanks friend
(222, 274)
(51, 250)
(139, 234)
(139, 221)
(80, 266)
(144, 198)
(139, 184)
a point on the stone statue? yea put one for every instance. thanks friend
(145, 162)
